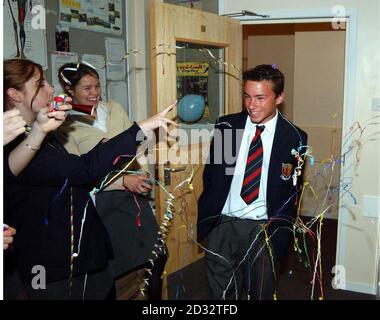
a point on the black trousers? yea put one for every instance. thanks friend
(132, 243)
(239, 264)
(93, 286)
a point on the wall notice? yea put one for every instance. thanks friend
(94, 15)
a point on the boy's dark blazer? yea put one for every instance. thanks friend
(282, 195)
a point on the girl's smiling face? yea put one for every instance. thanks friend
(87, 91)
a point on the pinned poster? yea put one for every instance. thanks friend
(33, 45)
(100, 15)
(115, 51)
(62, 38)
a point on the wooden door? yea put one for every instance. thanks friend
(171, 24)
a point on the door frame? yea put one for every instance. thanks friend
(165, 32)
(326, 14)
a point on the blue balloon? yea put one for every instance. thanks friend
(191, 107)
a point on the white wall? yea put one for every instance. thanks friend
(358, 237)
(138, 65)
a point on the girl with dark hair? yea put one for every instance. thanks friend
(123, 207)
(62, 247)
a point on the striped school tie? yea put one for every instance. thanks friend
(251, 183)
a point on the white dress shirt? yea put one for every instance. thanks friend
(101, 117)
(235, 205)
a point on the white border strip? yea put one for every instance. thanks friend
(360, 287)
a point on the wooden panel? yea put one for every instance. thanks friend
(182, 248)
(185, 25)
(319, 78)
(170, 24)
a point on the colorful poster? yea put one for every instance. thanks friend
(62, 38)
(94, 15)
(192, 78)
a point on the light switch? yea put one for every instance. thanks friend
(371, 206)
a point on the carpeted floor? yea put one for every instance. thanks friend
(294, 279)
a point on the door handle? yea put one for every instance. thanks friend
(168, 170)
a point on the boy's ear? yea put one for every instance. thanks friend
(280, 99)
(15, 95)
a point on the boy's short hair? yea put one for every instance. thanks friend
(267, 72)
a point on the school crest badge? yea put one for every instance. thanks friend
(286, 171)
